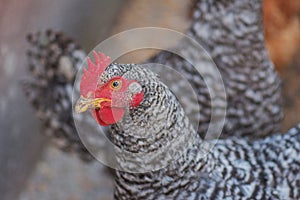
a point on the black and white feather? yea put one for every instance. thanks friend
(53, 62)
(234, 168)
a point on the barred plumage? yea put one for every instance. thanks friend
(53, 62)
(235, 168)
(232, 33)
(235, 42)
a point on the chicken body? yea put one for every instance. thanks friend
(234, 168)
(231, 31)
(53, 62)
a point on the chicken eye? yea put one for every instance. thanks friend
(116, 84)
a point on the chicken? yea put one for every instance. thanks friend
(252, 85)
(232, 33)
(154, 138)
(53, 61)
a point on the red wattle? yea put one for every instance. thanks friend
(107, 115)
(137, 99)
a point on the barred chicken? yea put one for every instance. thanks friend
(151, 132)
(231, 32)
(53, 62)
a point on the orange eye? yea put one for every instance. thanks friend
(116, 84)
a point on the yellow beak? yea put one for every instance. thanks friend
(83, 104)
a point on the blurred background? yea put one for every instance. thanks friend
(31, 167)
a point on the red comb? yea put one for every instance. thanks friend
(91, 75)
